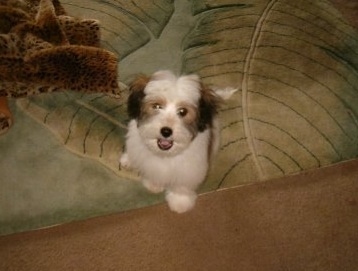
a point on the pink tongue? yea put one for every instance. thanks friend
(165, 144)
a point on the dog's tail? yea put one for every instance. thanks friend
(225, 93)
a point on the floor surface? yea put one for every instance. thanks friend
(302, 222)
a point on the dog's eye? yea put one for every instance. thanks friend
(157, 106)
(182, 112)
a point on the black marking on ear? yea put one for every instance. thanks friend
(134, 103)
(208, 105)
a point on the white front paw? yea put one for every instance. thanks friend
(180, 203)
(124, 161)
(152, 186)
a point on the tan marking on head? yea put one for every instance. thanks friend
(151, 105)
(190, 112)
(139, 83)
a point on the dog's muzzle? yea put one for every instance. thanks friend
(165, 143)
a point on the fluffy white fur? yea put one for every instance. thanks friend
(166, 141)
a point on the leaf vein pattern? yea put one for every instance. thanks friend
(344, 78)
(325, 10)
(103, 141)
(110, 15)
(300, 116)
(110, 47)
(292, 137)
(245, 86)
(223, 63)
(230, 108)
(327, 22)
(102, 114)
(301, 39)
(88, 130)
(160, 7)
(210, 33)
(309, 96)
(231, 124)
(229, 69)
(145, 13)
(93, 122)
(222, 73)
(223, 147)
(114, 33)
(196, 56)
(319, 27)
(232, 17)
(281, 151)
(273, 162)
(222, 181)
(71, 123)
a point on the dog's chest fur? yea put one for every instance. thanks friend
(188, 168)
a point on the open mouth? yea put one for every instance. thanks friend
(164, 144)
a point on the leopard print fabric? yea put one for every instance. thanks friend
(42, 49)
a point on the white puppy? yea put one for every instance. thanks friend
(172, 134)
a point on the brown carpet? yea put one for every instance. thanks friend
(304, 222)
(295, 64)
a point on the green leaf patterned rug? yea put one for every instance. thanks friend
(295, 64)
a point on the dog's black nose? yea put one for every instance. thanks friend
(166, 132)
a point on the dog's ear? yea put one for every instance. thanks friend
(136, 96)
(208, 105)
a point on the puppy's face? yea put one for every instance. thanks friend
(170, 110)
